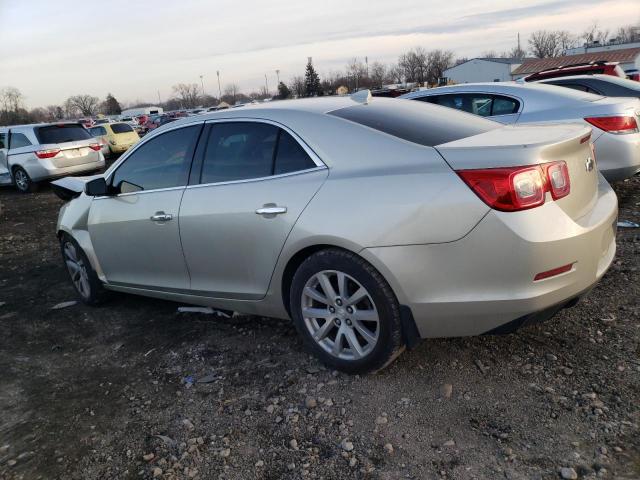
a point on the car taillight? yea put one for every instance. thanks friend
(558, 177)
(518, 188)
(48, 153)
(95, 146)
(615, 124)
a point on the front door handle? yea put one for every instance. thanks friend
(161, 217)
(271, 210)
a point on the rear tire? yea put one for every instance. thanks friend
(83, 277)
(346, 312)
(23, 182)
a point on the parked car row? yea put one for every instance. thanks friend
(337, 213)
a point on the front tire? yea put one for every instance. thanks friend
(346, 312)
(83, 277)
(23, 181)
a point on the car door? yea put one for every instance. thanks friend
(135, 231)
(254, 181)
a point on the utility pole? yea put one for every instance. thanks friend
(202, 83)
(266, 83)
(278, 75)
(219, 89)
(366, 62)
(159, 101)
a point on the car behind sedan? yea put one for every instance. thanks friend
(371, 222)
(30, 154)
(118, 136)
(614, 121)
(606, 85)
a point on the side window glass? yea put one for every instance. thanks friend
(575, 86)
(3, 140)
(504, 105)
(478, 104)
(162, 162)
(290, 156)
(239, 151)
(19, 140)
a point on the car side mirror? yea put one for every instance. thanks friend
(96, 187)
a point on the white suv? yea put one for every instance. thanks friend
(32, 153)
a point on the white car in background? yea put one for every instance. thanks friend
(614, 121)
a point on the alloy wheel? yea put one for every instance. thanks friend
(77, 269)
(340, 315)
(21, 179)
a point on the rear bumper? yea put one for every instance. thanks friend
(485, 280)
(618, 156)
(44, 170)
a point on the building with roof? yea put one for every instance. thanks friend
(628, 58)
(487, 69)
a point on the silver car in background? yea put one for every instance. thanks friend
(369, 222)
(33, 153)
(614, 121)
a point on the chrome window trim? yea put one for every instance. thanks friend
(316, 159)
(140, 192)
(258, 179)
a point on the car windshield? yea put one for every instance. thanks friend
(417, 122)
(64, 132)
(121, 128)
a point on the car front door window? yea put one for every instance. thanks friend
(161, 162)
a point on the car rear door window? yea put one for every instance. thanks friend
(3, 140)
(18, 140)
(161, 162)
(239, 151)
(290, 156)
(484, 105)
(62, 133)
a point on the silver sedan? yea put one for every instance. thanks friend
(350, 217)
(614, 121)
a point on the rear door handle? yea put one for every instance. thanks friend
(271, 210)
(161, 217)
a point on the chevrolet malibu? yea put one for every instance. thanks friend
(370, 222)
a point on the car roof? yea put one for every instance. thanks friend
(43, 124)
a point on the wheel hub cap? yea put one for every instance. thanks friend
(77, 270)
(340, 315)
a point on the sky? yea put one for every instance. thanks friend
(138, 49)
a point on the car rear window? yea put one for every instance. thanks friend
(121, 128)
(61, 133)
(416, 122)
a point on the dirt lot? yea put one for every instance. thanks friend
(134, 389)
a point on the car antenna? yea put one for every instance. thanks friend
(363, 96)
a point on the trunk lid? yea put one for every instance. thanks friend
(524, 145)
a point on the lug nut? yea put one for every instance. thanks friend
(349, 309)
(339, 302)
(337, 321)
(332, 309)
(348, 321)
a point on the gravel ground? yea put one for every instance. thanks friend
(134, 390)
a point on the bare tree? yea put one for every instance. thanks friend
(545, 43)
(627, 34)
(414, 65)
(437, 62)
(593, 33)
(11, 99)
(378, 74)
(396, 74)
(356, 73)
(55, 112)
(230, 94)
(298, 86)
(187, 93)
(85, 104)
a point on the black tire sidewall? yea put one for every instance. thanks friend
(389, 340)
(97, 293)
(31, 187)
